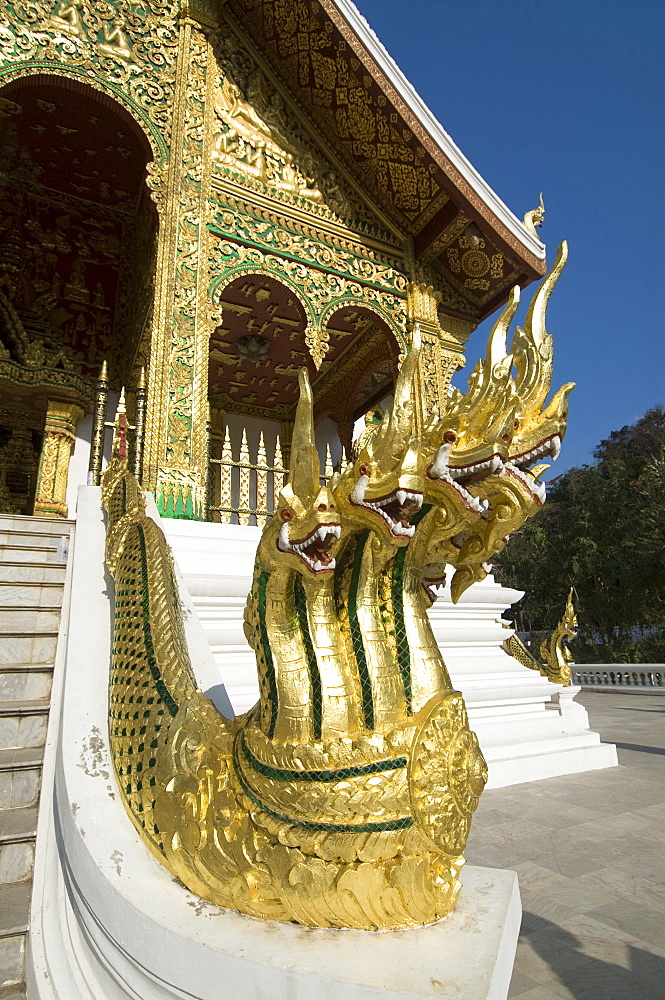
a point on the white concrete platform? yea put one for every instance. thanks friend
(109, 922)
(528, 728)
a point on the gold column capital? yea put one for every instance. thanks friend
(59, 435)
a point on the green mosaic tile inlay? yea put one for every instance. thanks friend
(395, 824)
(403, 651)
(397, 596)
(312, 665)
(163, 691)
(341, 774)
(267, 652)
(356, 634)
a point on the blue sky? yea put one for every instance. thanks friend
(568, 99)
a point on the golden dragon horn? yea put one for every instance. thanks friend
(497, 350)
(532, 346)
(304, 466)
(395, 431)
(493, 379)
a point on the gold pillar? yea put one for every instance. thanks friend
(175, 453)
(59, 434)
(216, 444)
(441, 355)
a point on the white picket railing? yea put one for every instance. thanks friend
(632, 677)
(244, 490)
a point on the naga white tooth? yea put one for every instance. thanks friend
(440, 463)
(402, 497)
(283, 538)
(555, 447)
(358, 493)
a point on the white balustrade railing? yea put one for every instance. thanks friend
(620, 676)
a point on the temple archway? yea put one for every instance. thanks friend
(363, 371)
(255, 353)
(77, 236)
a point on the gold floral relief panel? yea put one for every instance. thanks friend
(126, 49)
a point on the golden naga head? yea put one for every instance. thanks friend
(305, 530)
(496, 436)
(382, 488)
(472, 440)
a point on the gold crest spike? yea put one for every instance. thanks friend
(532, 345)
(394, 432)
(497, 345)
(491, 390)
(304, 465)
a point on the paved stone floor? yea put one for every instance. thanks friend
(589, 850)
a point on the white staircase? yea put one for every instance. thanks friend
(528, 728)
(33, 554)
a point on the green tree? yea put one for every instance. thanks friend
(602, 531)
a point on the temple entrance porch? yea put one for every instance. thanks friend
(78, 233)
(263, 338)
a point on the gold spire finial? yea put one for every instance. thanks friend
(534, 219)
(120, 428)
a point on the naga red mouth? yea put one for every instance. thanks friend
(314, 549)
(548, 448)
(395, 509)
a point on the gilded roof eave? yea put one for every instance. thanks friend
(467, 179)
(364, 88)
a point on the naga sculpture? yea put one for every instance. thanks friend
(555, 656)
(344, 797)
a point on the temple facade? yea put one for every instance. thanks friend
(198, 199)
(206, 196)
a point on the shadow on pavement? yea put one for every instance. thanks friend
(595, 979)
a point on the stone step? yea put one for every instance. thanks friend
(31, 539)
(17, 826)
(33, 554)
(12, 966)
(25, 684)
(29, 553)
(20, 777)
(14, 908)
(23, 724)
(10, 708)
(19, 787)
(31, 594)
(28, 647)
(37, 620)
(46, 525)
(17, 572)
(20, 759)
